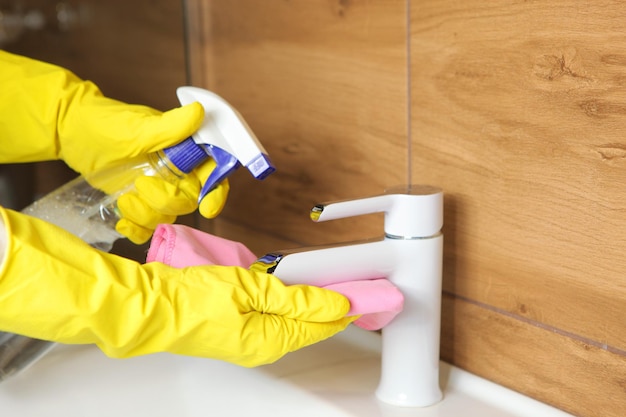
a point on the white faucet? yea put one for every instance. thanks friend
(410, 256)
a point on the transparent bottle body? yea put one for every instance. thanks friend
(86, 211)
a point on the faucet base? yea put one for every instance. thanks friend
(400, 399)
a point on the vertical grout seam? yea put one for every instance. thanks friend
(408, 93)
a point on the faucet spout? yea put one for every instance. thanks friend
(410, 256)
(415, 211)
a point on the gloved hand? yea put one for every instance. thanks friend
(155, 201)
(55, 287)
(48, 113)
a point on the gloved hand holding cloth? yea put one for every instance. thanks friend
(53, 286)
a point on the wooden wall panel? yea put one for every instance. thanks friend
(516, 110)
(134, 51)
(518, 113)
(558, 369)
(323, 85)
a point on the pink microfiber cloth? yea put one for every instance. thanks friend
(378, 301)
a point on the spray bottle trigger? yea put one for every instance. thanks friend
(225, 164)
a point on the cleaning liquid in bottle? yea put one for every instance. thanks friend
(82, 208)
(86, 206)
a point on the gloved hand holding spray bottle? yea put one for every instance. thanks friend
(88, 205)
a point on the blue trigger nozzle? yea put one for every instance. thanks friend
(225, 164)
(188, 154)
(224, 136)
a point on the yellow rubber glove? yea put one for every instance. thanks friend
(155, 201)
(53, 286)
(47, 113)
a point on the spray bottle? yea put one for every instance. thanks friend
(91, 214)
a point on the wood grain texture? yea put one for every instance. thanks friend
(516, 111)
(581, 378)
(134, 51)
(323, 85)
(519, 114)
(525, 134)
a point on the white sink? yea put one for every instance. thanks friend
(335, 378)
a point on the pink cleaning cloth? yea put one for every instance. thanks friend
(179, 246)
(378, 301)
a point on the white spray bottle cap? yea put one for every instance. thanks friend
(226, 137)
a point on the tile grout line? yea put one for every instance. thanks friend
(408, 99)
(543, 326)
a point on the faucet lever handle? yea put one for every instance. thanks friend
(410, 212)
